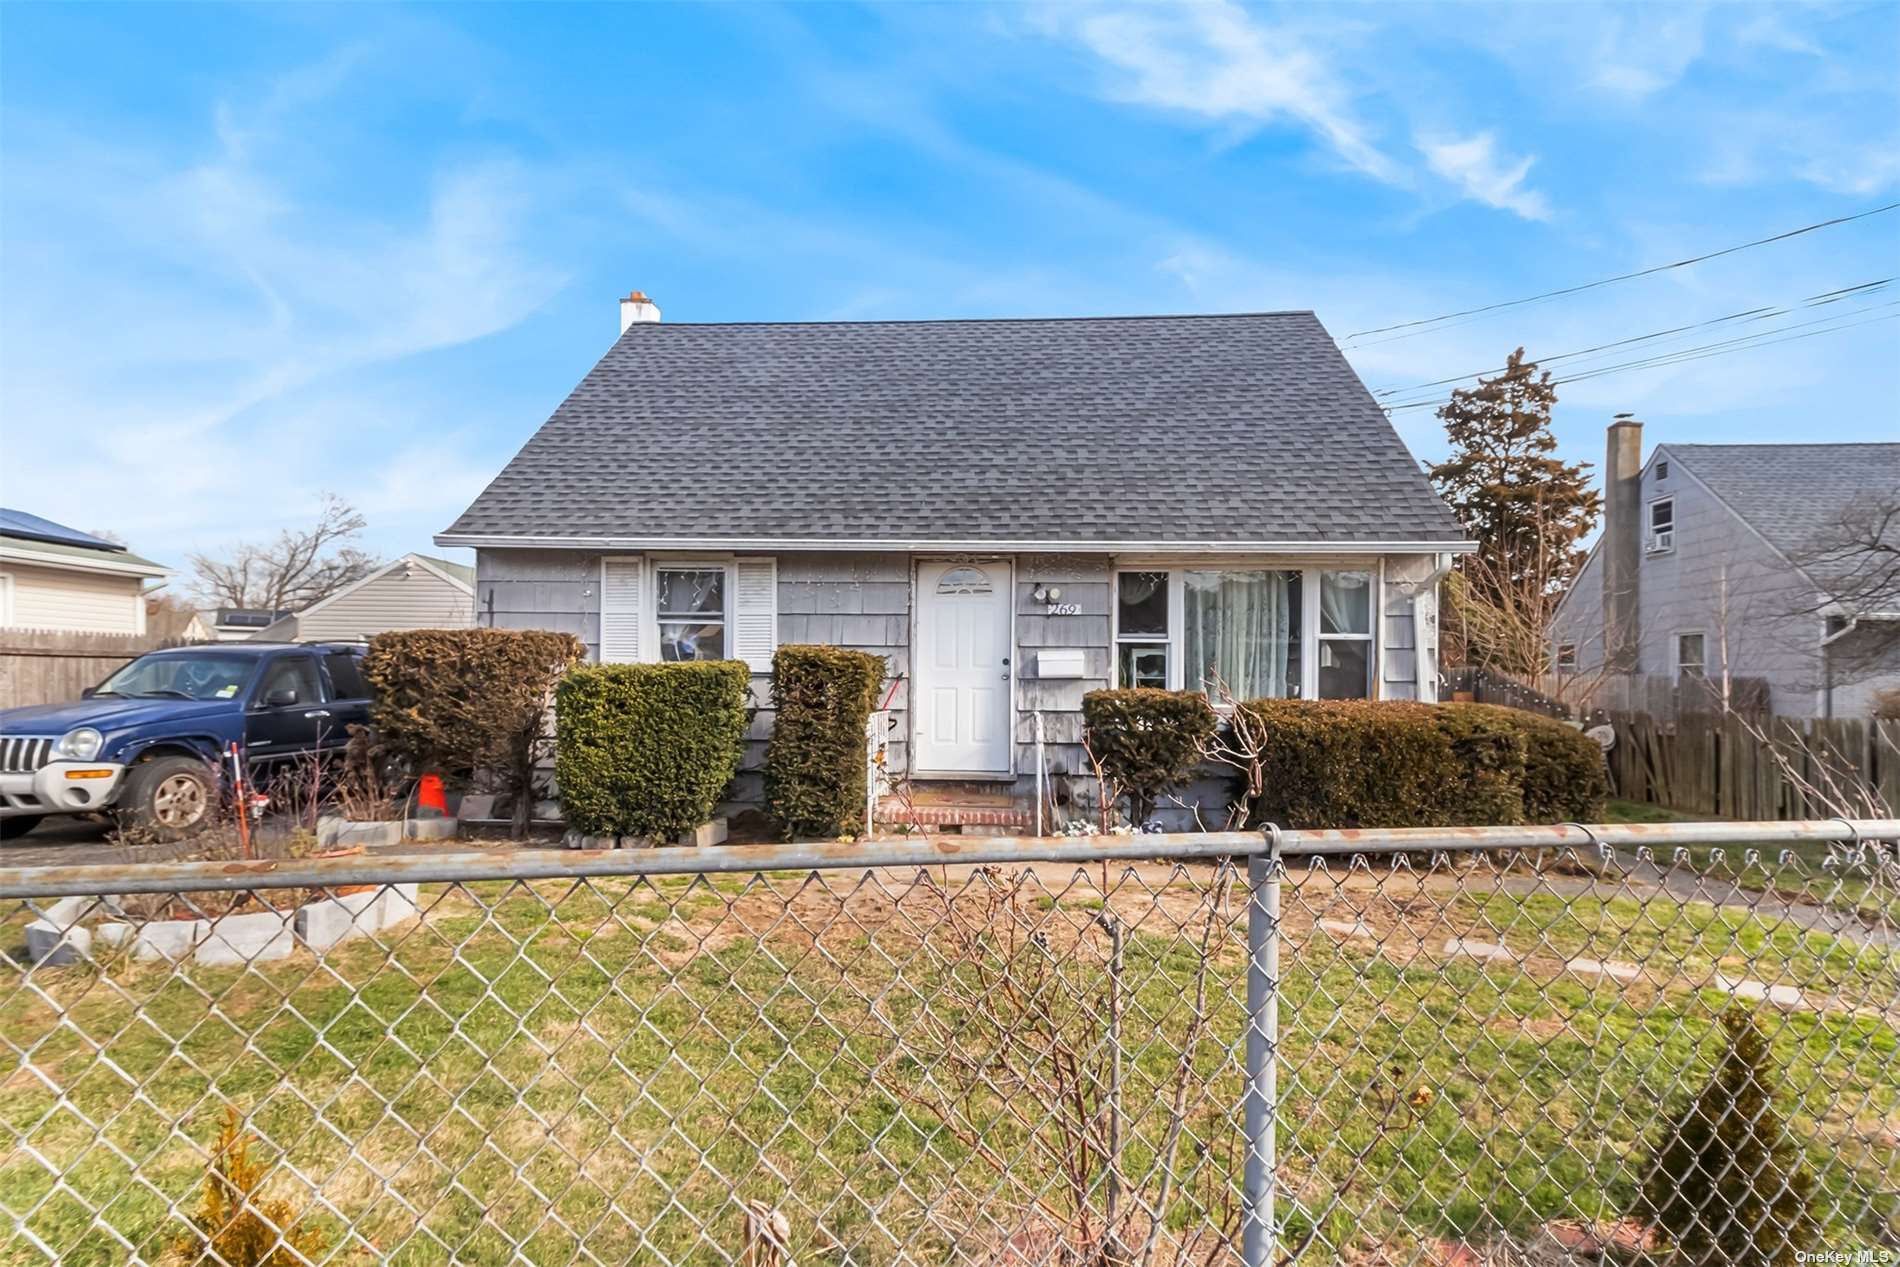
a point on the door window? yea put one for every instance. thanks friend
(346, 676)
(296, 674)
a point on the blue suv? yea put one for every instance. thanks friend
(149, 742)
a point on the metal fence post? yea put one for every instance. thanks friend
(1259, 1233)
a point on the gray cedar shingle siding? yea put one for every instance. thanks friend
(1247, 428)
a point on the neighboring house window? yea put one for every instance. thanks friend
(6, 600)
(1691, 658)
(1566, 655)
(964, 581)
(1662, 525)
(1345, 635)
(1662, 471)
(1141, 628)
(692, 612)
(1252, 633)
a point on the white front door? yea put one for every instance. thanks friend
(961, 682)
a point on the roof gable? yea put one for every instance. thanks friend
(1085, 431)
(1793, 495)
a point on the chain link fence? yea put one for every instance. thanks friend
(1510, 1046)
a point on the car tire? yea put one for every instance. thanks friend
(168, 798)
(19, 825)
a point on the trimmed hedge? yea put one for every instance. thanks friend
(1357, 763)
(1565, 779)
(458, 701)
(1147, 741)
(645, 749)
(814, 762)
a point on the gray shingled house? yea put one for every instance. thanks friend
(1726, 563)
(1014, 512)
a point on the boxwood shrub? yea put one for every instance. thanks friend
(1357, 763)
(458, 701)
(814, 762)
(645, 749)
(1147, 741)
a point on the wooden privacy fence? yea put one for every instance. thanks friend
(47, 666)
(1778, 767)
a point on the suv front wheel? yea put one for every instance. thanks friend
(169, 798)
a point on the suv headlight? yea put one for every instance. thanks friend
(81, 745)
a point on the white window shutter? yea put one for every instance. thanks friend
(621, 619)
(755, 612)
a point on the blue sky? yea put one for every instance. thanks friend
(251, 254)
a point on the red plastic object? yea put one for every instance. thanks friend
(429, 795)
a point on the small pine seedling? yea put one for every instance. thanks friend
(1727, 1183)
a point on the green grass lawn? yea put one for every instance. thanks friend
(622, 1064)
(1864, 889)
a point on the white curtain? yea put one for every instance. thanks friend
(1345, 603)
(1240, 629)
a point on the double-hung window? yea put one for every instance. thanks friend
(654, 609)
(1142, 652)
(691, 604)
(1345, 635)
(1248, 633)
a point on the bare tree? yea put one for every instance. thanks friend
(1855, 561)
(299, 568)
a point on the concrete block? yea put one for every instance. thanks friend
(171, 940)
(344, 833)
(323, 924)
(234, 940)
(430, 828)
(57, 937)
(1489, 952)
(710, 832)
(478, 805)
(1605, 968)
(1757, 991)
(1344, 927)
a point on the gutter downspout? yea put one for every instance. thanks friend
(1827, 663)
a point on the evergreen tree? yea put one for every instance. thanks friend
(1727, 1184)
(1527, 510)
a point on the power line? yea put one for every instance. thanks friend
(1748, 314)
(1700, 352)
(1621, 277)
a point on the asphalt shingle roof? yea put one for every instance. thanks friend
(1795, 495)
(1249, 428)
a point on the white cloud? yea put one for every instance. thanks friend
(196, 347)
(1482, 173)
(1213, 60)
(1639, 52)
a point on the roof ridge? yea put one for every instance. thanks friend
(990, 321)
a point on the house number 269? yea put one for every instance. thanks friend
(1065, 609)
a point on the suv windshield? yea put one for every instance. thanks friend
(205, 675)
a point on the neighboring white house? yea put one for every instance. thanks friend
(55, 578)
(414, 592)
(1713, 566)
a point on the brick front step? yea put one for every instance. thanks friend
(953, 815)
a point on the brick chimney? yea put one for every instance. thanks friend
(637, 307)
(1623, 546)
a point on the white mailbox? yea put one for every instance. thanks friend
(1059, 662)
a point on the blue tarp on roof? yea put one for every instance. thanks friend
(17, 523)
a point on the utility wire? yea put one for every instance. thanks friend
(1749, 314)
(1704, 351)
(1621, 277)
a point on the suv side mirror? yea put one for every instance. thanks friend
(88, 692)
(282, 697)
